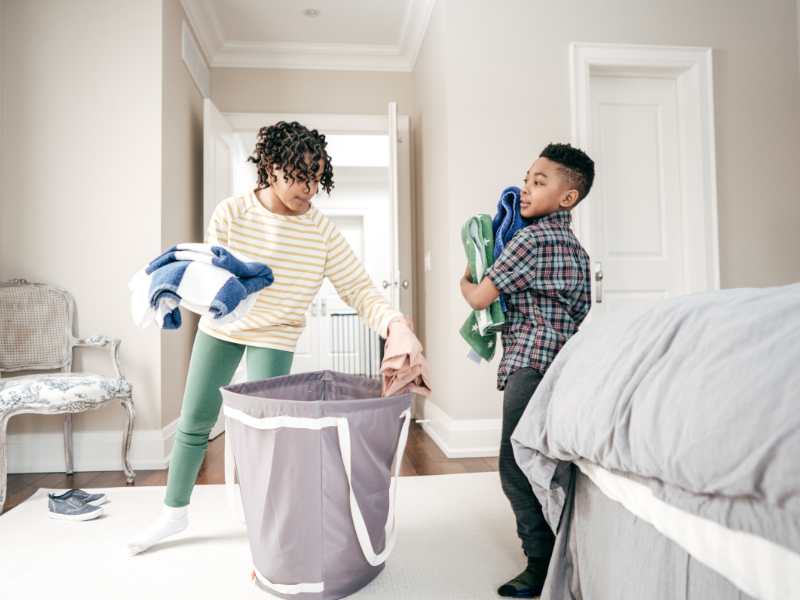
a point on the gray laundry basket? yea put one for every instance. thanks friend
(318, 455)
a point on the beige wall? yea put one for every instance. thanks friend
(5, 213)
(508, 95)
(102, 151)
(182, 194)
(306, 91)
(433, 209)
(81, 150)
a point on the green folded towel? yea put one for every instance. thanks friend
(481, 327)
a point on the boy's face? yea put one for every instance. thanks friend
(546, 190)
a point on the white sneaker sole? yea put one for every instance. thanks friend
(83, 517)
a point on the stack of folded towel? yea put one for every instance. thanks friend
(207, 279)
(404, 368)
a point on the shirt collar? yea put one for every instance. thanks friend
(562, 218)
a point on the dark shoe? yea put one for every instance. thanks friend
(524, 585)
(72, 509)
(83, 496)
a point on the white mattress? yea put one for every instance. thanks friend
(758, 567)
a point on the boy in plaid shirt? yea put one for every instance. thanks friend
(544, 271)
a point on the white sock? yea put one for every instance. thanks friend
(171, 521)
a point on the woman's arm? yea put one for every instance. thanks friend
(218, 225)
(354, 286)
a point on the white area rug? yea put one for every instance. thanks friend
(456, 541)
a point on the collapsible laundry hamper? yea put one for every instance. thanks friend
(318, 456)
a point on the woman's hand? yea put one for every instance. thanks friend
(467, 275)
(404, 319)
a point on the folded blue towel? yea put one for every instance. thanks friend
(506, 223)
(206, 279)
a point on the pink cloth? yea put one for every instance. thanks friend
(404, 367)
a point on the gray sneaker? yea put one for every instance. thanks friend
(72, 509)
(83, 496)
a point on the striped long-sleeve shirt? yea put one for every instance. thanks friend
(301, 250)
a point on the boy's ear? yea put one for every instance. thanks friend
(569, 199)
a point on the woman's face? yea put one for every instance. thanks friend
(295, 195)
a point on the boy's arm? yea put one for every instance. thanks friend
(480, 295)
(517, 268)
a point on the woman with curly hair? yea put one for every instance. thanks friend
(277, 224)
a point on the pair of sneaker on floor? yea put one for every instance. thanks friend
(76, 505)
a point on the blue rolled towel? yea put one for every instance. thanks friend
(506, 222)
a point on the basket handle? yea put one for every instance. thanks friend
(234, 499)
(362, 533)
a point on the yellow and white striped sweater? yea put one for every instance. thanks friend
(301, 251)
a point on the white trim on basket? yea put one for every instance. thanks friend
(294, 588)
(280, 421)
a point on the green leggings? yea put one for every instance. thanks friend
(211, 366)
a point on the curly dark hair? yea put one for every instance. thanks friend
(575, 164)
(286, 145)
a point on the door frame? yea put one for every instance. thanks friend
(691, 68)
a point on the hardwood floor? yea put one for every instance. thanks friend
(422, 457)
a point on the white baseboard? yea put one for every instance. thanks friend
(462, 438)
(91, 450)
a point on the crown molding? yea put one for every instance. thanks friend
(400, 56)
(206, 26)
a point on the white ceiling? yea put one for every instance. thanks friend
(369, 35)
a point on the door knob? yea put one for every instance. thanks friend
(598, 280)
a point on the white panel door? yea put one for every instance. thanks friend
(636, 234)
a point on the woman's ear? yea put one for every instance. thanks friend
(569, 199)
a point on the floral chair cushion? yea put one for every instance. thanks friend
(67, 392)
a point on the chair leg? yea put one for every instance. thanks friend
(3, 461)
(68, 444)
(127, 404)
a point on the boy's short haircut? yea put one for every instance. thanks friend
(575, 164)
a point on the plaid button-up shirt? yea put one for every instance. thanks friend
(545, 272)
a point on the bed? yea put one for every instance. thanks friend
(664, 446)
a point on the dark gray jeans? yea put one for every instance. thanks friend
(534, 532)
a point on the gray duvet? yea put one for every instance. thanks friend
(698, 397)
